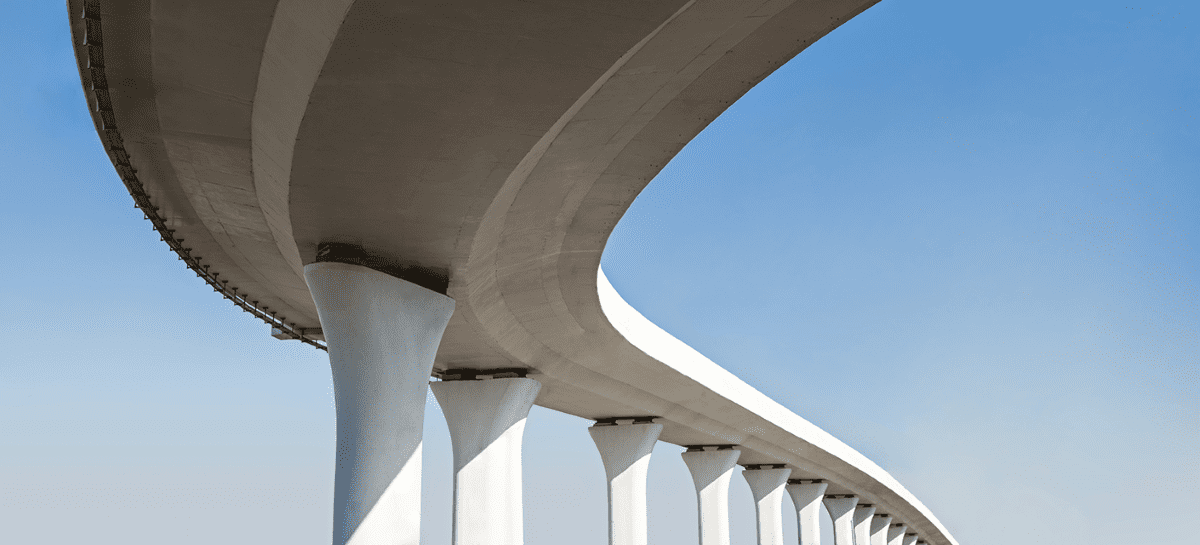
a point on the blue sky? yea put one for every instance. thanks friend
(960, 236)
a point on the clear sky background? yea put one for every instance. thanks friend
(960, 236)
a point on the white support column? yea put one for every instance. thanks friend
(896, 534)
(625, 449)
(806, 496)
(382, 333)
(910, 539)
(841, 510)
(862, 524)
(711, 470)
(879, 528)
(767, 486)
(487, 422)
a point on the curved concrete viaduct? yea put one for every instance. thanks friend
(464, 162)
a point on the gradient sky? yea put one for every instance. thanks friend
(960, 236)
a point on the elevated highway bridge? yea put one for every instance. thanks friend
(424, 189)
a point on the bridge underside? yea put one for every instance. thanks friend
(483, 148)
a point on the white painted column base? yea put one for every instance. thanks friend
(625, 450)
(767, 487)
(711, 471)
(806, 496)
(487, 423)
(382, 333)
(841, 510)
(863, 515)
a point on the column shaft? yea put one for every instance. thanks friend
(625, 451)
(807, 499)
(767, 487)
(896, 534)
(487, 423)
(841, 510)
(862, 524)
(382, 334)
(879, 529)
(910, 539)
(711, 471)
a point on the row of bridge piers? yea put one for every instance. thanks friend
(383, 333)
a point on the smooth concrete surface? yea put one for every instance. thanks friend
(879, 529)
(625, 450)
(806, 497)
(896, 533)
(910, 539)
(863, 517)
(259, 131)
(842, 513)
(711, 471)
(487, 424)
(765, 446)
(767, 488)
(382, 334)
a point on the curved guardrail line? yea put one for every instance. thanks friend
(114, 145)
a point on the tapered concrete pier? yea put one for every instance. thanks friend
(879, 528)
(767, 486)
(711, 471)
(841, 510)
(863, 515)
(625, 447)
(382, 333)
(806, 497)
(487, 424)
